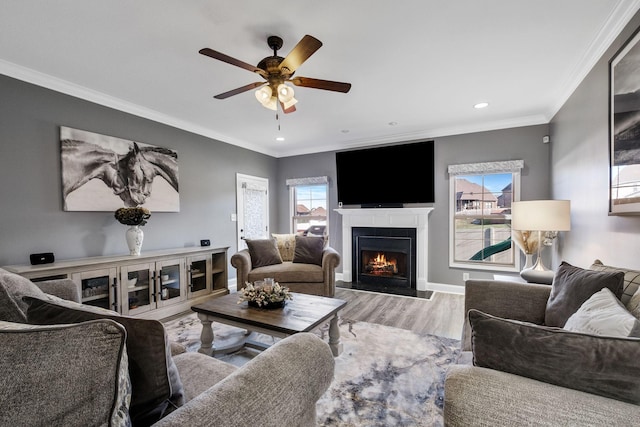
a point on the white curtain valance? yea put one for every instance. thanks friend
(487, 167)
(308, 181)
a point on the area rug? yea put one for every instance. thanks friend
(384, 377)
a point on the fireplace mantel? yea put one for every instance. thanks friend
(417, 218)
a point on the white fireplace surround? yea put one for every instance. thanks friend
(417, 218)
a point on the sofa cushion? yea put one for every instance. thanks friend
(12, 288)
(288, 272)
(66, 375)
(263, 252)
(156, 385)
(604, 314)
(286, 244)
(606, 366)
(308, 250)
(631, 279)
(572, 286)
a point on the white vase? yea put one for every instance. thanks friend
(134, 235)
(528, 261)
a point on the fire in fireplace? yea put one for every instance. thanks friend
(384, 259)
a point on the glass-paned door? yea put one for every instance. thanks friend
(171, 283)
(199, 280)
(98, 288)
(137, 288)
(252, 197)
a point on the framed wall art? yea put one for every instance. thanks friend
(104, 173)
(624, 127)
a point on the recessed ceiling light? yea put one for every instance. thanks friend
(393, 123)
(345, 131)
(480, 105)
(280, 138)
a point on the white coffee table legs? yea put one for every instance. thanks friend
(207, 347)
(334, 336)
(206, 336)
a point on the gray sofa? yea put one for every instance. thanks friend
(476, 396)
(82, 373)
(305, 277)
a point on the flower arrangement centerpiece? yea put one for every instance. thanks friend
(134, 217)
(267, 296)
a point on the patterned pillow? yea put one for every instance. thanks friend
(286, 245)
(73, 374)
(631, 279)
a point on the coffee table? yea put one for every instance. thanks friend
(303, 313)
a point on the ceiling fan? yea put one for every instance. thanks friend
(276, 70)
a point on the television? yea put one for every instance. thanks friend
(388, 176)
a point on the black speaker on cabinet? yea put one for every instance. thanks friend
(43, 258)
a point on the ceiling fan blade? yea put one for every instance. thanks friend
(239, 90)
(300, 53)
(321, 84)
(229, 60)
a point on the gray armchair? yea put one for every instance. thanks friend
(298, 277)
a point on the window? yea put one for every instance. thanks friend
(480, 208)
(308, 205)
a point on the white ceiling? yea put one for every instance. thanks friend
(421, 64)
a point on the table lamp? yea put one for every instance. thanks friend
(540, 216)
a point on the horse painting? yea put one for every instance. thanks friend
(126, 168)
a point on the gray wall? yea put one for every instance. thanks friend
(580, 161)
(31, 216)
(510, 144)
(32, 219)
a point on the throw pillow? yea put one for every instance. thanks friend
(604, 314)
(631, 280)
(12, 288)
(155, 382)
(572, 286)
(308, 250)
(263, 252)
(286, 244)
(634, 304)
(66, 375)
(606, 366)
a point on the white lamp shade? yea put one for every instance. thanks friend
(541, 215)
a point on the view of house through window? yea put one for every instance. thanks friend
(481, 223)
(309, 209)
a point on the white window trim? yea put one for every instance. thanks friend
(508, 166)
(314, 180)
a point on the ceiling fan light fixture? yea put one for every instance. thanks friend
(285, 93)
(290, 103)
(263, 95)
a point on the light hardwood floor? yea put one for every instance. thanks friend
(442, 315)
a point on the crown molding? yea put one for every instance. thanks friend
(617, 20)
(63, 86)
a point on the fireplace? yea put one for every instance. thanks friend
(414, 217)
(384, 259)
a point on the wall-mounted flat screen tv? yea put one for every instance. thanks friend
(388, 176)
